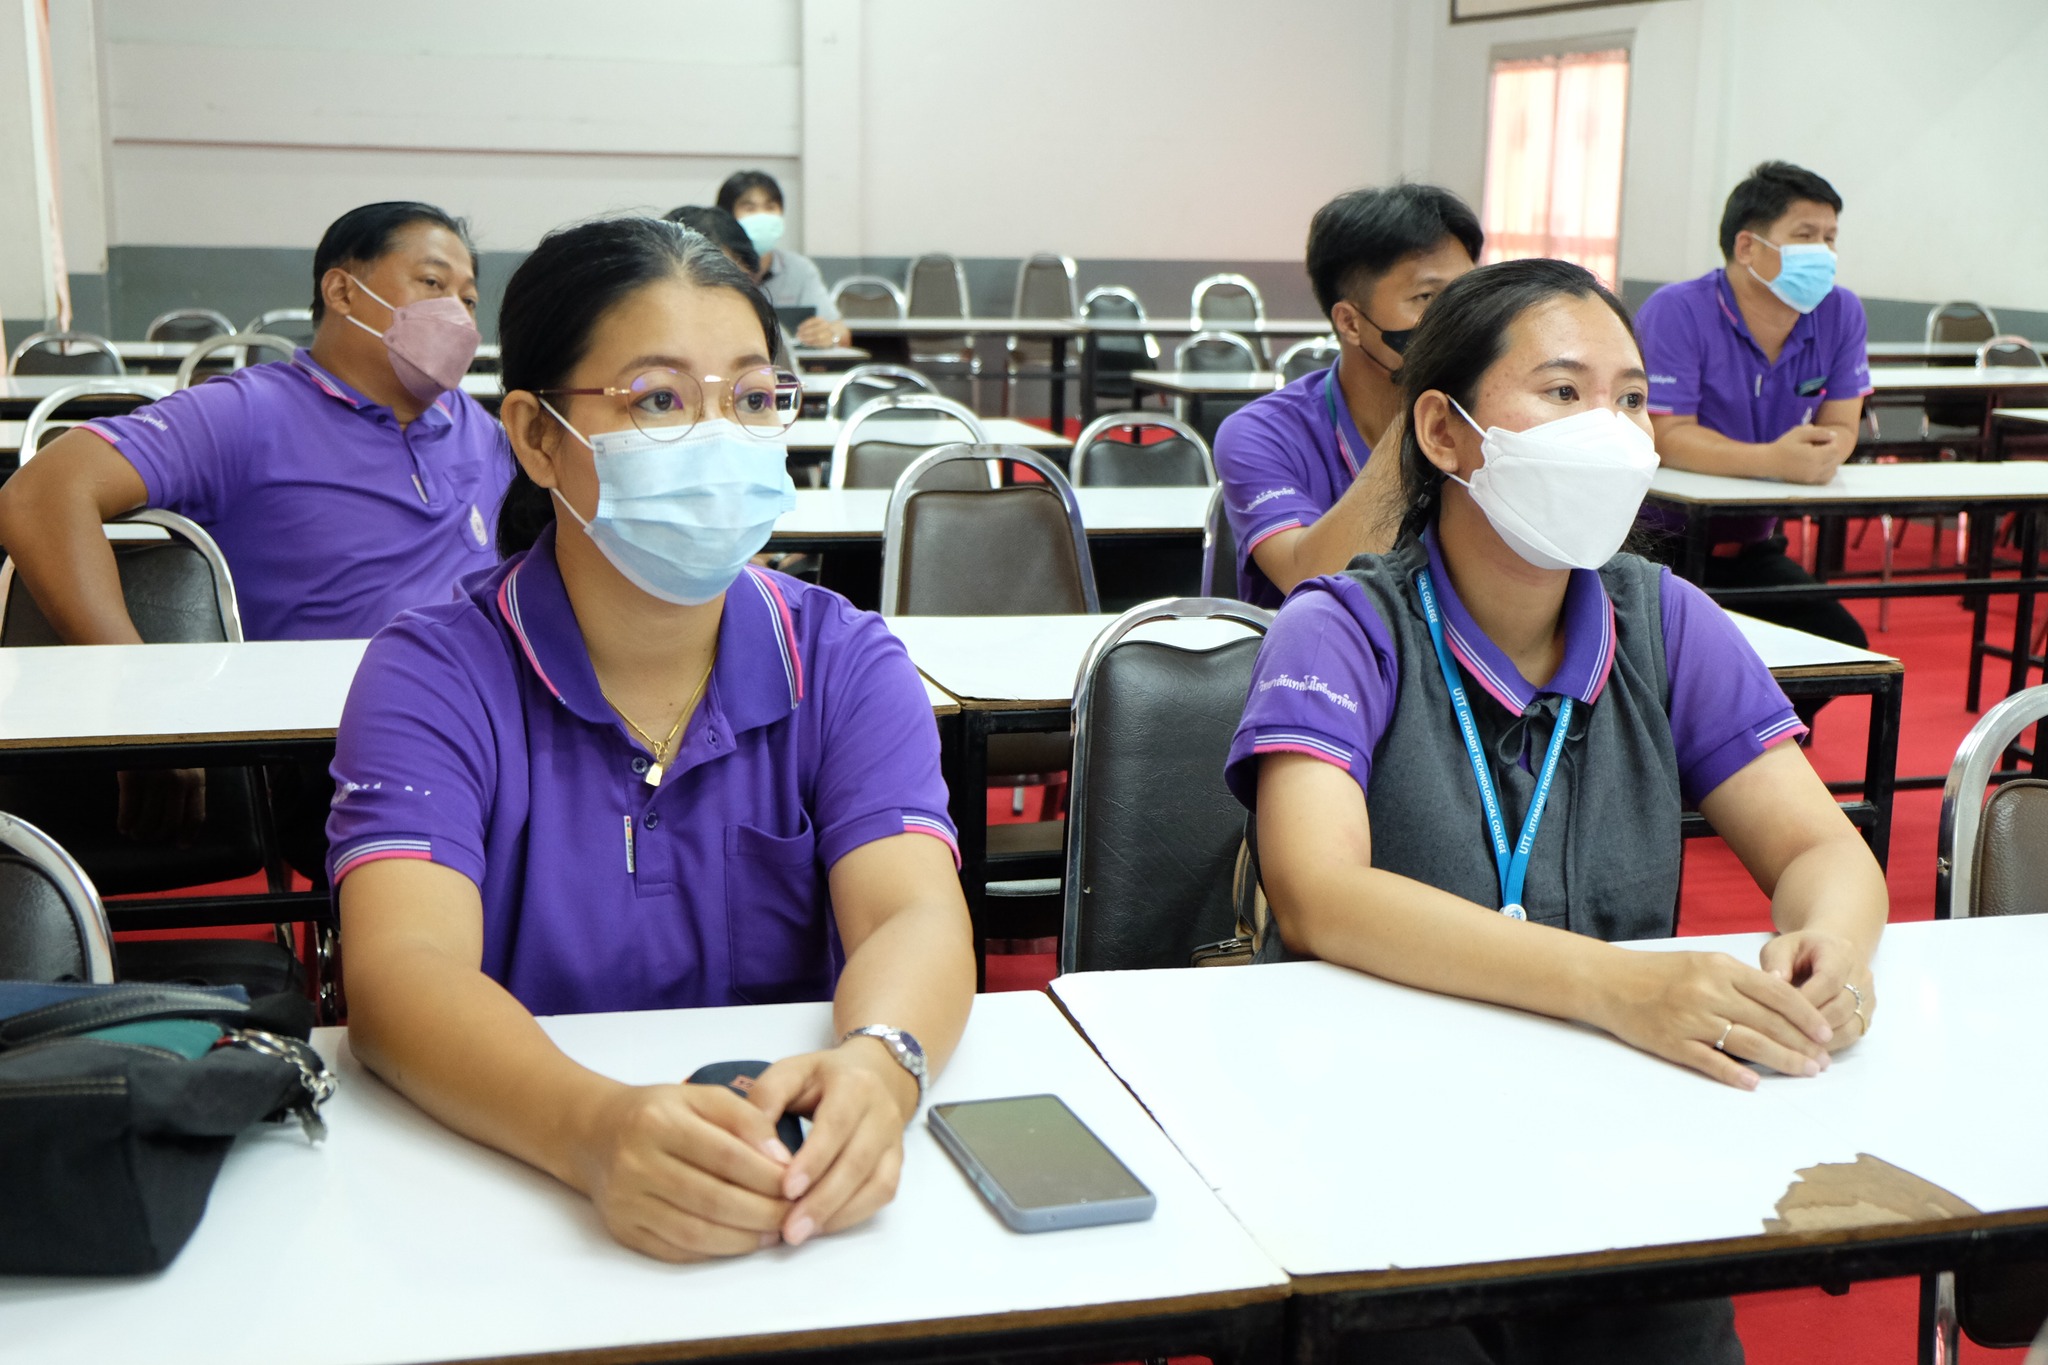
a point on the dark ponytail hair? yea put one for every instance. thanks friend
(1463, 332)
(556, 299)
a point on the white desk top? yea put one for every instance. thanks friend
(1443, 1132)
(831, 355)
(819, 433)
(922, 326)
(1208, 384)
(1034, 662)
(426, 1247)
(94, 696)
(1957, 482)
(34, 388)
(1957, 378)
(1187, 326)
(1917, 350)
(858, 513)
(2031, 416)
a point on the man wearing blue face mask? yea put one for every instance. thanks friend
(1758, 369)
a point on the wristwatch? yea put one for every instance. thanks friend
(909, 1054)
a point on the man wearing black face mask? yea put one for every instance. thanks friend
(1300, 487)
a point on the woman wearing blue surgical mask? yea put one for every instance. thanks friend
(789, 279)
(1469, 756)
(627, 770)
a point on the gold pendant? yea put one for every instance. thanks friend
(654, 774)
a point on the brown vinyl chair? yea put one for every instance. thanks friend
(1045, 289)
(1227, 301)
(188, 324)
(937, 288)
(868, 296)
(1013, 550)
(1149, 879)
(878, 462)
(296, 324)
(1961, 320)
(44, 425)
(52, 925)
(1109, 455)
(79, 353)
(1117, 353)
(242, 348)
(1213, 353)
(1306, 357)
(1991, 858)
(863, 384)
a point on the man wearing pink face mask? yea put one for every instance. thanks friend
(344, 485)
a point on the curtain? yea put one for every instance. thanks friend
(1553, 159)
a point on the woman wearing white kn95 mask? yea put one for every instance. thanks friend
(1469, 755)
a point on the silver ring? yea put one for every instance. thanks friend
(1861, 1018)
(1721, 1043)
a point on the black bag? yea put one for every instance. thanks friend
(118, 1104)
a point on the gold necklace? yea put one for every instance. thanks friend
(661, 750)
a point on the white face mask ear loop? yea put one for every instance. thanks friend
(1463, 483)
(556, 493)
(373, 294)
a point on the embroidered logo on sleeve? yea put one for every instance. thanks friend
(1311, 683)
(1271, 493)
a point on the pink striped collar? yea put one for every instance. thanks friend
(1589, 641)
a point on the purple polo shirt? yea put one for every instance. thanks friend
(475, 736)
(1284, 459)
(1704, 363)
(333, 518)
(1327, 678)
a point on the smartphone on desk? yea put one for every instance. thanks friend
(1038, 1166)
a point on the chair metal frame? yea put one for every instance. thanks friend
(1963, 797)
(894, 290)
(263, 320)
(1940, 310)
(906, 489)
(1228, 338)
(1325, 345)
(182, 528)
(1094, 431)
(1256, 619)
(1227, 277)
(966, 358)
(88, 912)
(189, 366)
(2007, 341)
(910, 279)
(1213, 522)
(916, 379)
(900, 402)
(226, 324)
(91, 341)
(1117, 291)
(1012, 371)
(43, 415)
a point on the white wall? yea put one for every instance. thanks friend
(30, 252)
(1107, 129)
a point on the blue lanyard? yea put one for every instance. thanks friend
(1337, 424)
(1512, 867)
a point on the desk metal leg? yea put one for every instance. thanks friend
(1058, 407)
(1085, 400)
(1693, 561)
(1881, 762)
(2023, 605)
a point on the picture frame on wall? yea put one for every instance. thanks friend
(1477, 11)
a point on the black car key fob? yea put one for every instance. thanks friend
(739, 1077)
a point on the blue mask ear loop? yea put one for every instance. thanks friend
(1511, 867)
(556, 493)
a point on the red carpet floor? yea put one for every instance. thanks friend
(1875, 1323)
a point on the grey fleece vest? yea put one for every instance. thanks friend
(1606, 859)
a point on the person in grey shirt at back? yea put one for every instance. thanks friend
(790, 280)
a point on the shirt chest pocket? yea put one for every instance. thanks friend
(777, 916)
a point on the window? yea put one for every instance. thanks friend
(1553, 159)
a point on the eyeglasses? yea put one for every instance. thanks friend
(666, 404)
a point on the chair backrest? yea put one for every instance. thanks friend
(863, 384)
(1104, 458)
(2007, 350)
(249, 348)
(1114, 303)
(1219, 549)
(936, 287)
(188, 324)
(1149, 880)
(1991, 855)
(178, 591)
(53, 926)
(1215, 353)
(65, 353)
(879, 462)
(1015, 550)
(295, 323)
(1045, 288)
(43, 427)
(1226, 298)
(1306, 357)
(868, 296)
(1961, 320)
